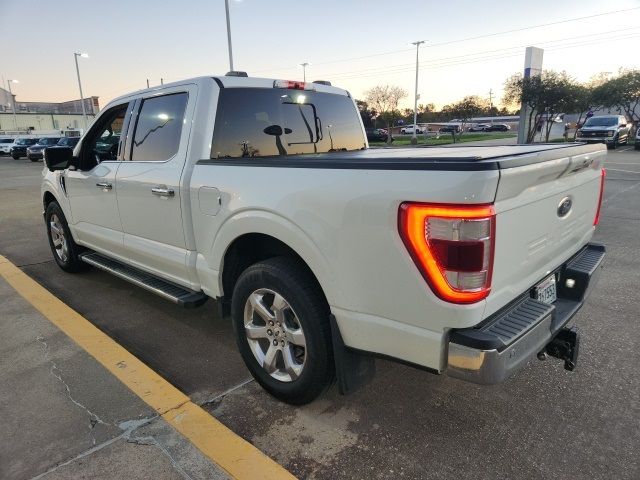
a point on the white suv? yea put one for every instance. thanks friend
(5, 145)
(409, 129)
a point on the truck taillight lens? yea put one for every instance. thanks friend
(452, 246)
(603, 176)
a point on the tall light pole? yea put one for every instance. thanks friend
(414, 137)
(84, 112)
(13, 103)
(226, 8)
(304, 70)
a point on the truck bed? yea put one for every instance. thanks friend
(494, 157)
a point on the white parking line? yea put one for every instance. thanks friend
(625, 171)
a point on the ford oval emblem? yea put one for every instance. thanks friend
(565, 207)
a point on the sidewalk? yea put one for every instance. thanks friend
(65, 416)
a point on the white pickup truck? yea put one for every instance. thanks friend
(263, 195)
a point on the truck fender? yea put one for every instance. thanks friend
(282, 229)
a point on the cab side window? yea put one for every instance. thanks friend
(103, 139)
(159, 127)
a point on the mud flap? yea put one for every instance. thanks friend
(353, 369)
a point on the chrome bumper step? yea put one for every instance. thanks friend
(493, 350)
(175, 293)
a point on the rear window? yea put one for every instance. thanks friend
(261, 122)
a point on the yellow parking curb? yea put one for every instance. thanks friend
(237, 457)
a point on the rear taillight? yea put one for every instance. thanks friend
(452, 246)
(603, 176)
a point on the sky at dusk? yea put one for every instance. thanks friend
(355, 44)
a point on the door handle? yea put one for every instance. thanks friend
(163, 191)
(104, 185)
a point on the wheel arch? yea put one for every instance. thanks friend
(254, 236)
(47, 198)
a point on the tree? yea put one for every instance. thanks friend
(366, 114)
(580, 100)
(545, 95)
(465, 109)
(622, 93)
(384, 99)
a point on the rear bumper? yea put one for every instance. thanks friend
(491, 352)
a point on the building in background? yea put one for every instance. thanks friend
(44, 117)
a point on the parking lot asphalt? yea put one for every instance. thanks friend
(544, 422)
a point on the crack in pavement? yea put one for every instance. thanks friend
(94, 419)
(220, 397)
(128, 427)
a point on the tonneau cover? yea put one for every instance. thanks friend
(423, 158)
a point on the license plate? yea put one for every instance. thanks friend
(545, 291)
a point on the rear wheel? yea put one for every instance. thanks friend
(65, 250)
(281, 323)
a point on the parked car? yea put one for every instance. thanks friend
(5, 145)
(408, 130)
(612, 130)
(69, 142)
(637, 140)
(479, 127)
(326, 258)
(19, 148)
(376, 135)
(34, 152)
(498, 127)
(451, 129)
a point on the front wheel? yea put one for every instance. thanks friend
(33, 159)
(281, 322)
(15, 157)
(64, 248)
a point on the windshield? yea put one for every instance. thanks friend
(259, 122)
(48, 141)
(68, 141)
(601, 122)
(26, 141)
(6, 140)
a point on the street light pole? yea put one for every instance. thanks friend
(304, 70)
(13, 102)
(84, 112)
(414, 137)
(226, 7)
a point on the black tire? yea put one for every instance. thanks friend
(637, 145)
(15, 157)
(33, 159)
(613, 145)
(289, 278)
(71, 261)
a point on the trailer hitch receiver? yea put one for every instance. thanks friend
(565, 346)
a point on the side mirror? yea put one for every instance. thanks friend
(58, 158)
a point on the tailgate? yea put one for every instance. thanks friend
(534, 234)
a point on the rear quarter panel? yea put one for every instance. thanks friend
(343, 223)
